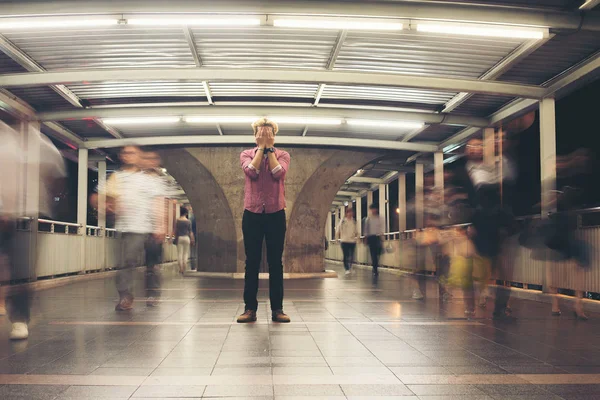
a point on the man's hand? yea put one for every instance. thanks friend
(261, 138)
(269, 139)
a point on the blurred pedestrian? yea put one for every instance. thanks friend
(373, 231)
(347, 234)
(41, 154)
(265, 168)
(184, 237)
(135, 199)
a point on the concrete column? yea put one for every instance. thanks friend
(102, 209)
(489, 146)
(369, 198)
(548, 155)
(102, 195)
(383, 208)
(82, 202)
(358, 213)
(402, 201)
(419, 200)
(170, 220)
(328, 227)
(31, 190)
(438, 161)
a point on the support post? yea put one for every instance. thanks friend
(438, 176)
(369, 198)
(31, 190)
(419, 200)
(383, 206)
(402, 201)
(102, 210)
(82, 202)
(489, 146)
(328, 227)
(358, 213)
(548, 155)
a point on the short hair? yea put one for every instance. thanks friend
(183, 212)
(265, 122)
(374, 207)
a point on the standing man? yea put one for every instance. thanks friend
(135, 198)
(265, 168)
(347, 234)
(373, 227)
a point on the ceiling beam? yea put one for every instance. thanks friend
(589, 5)
(499, 69)
(230, 111)
(15, 106)
(247, 140)
(420, 10)
(579, 72)
(362, 179)
(347, 194)
(271, 75)
(65, 135)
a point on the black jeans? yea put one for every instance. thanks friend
(256, 228)
(18, 302)
(375, 248)
(153, 260)
(348, 250)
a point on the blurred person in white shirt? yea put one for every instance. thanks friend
(347, 234)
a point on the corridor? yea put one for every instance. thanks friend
(350, 338)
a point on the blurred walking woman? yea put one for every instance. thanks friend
(184, 238)
(347, 234)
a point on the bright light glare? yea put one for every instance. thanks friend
(306, 120)
(141, 120)
(488, 31)
(385, 124)
(204, 21)
(320, 23)
(220, 120)
(42, 23)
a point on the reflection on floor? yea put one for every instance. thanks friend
(351, 338)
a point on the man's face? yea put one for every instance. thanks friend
(264, 131)
(130, 155)
(374, 212)
(150, 160)
(349, 214)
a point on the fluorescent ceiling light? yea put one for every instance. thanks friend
(483, 30)
(385, 124)
(339, 23)
(141, 120)
(306, 120)
(220, 120)
(42, 23)
(196, 21)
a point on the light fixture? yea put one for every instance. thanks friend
(53, 22)
(371, 123)
(370, 24)
(220, 120)
(483, 30)
(306, 120)
(141, 120)
(195, 21)
(397, 211)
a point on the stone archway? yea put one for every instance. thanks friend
(215, 228)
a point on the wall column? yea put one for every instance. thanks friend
(548, 155)
(369, 199)
(358, 213)
(402, 201)
(102, 209)
(328, 227)
(419, 199)
(82, 202)
(383, 208)
(31, 190)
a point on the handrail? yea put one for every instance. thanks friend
(48, 221)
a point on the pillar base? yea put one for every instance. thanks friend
(240, 275)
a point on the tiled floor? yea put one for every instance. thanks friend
(351, 338)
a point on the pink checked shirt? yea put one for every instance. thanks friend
(264, 191)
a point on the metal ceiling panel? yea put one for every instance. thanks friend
(386, 94)
(177, 129)
(345, 131)
(481, 105)
(559, 54)
(264, 47)
(437, 133)
(107, 47)
(419, 53)
(86, 128)
(9, 66)
(119, 89)
(42, 98)
(263, 89)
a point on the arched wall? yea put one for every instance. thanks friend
(214, 183)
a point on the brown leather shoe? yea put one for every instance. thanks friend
(247, 316)
(280, 316)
